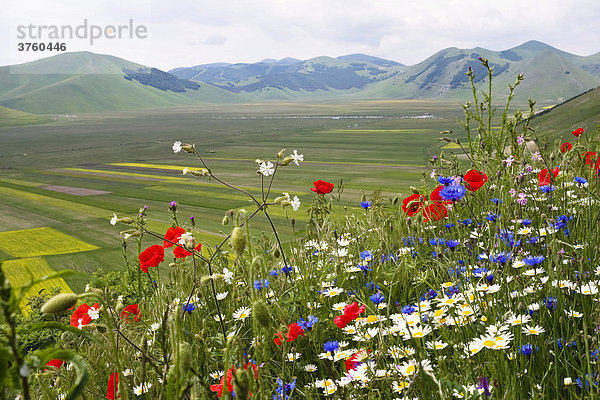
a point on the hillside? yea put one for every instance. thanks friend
(579, 112)
(89, 82)
(10, 117)
(551, 75)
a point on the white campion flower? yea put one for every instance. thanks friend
(297, 157)
(228, 275)
(186, 238)
(114, 219)
(296, 203)
(185, 170)
(177, 147)
(221, 296)
(266, 168)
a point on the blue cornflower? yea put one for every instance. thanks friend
(287, 270)
(550, 302)
(434, 242)
(466, 222)
(547, 188)
(259, 285)
(533, 260)
(274, 273)
(453, 192)
(445, 181)
(189, 307)
(309, 323)
(366, 255)
(581, 181)
(408, 309)
(526, 350)
(491, 217)
(365, 204)
(365, 268)
(526, 222)
(485, 385)
(452, 243)
(377, 298)
(496, 201)
(500, 258)
(480, 272)
(371, 286)
(331, 346)
(449, 226)
(283, 390)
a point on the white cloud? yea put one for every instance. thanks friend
(189, 33)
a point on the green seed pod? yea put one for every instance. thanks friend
(281, 153)
(414, 190)
(395, 200)
(261, 314)
(286, 161)
(184, 363)
(242, 384)
(225, 220)
(276, 253)
(101, 328)
(59, 303)
(238, 241)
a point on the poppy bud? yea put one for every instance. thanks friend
(238, 241)
(242, 384)
(276, 253)
(225, 220)
(260, 313)
(395, 200)
(293, 221)
(101, 328)
(281, 153)
(59, 303)
(446, 139)
(412, 189)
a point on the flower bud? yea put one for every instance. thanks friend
(238, 241)
(446, 139)
(242, 384)
(414, 190)
(281, 153)
(225, 220)
(184, 362)
(276, 253)
(59, 303)
(189, 148)
(261, 314)
(101, 328)
(286, 161)
(395, 200)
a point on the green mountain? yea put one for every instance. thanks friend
(581, 111)
(551, 75)
(88, 82)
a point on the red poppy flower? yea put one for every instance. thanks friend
(180, 252)
(546, 178)
(218, 388)
(435, 212)
(351, 312)
(412, 204)
(566, 147)
(578, 132)
(588, 157)
(294, 331)
(113, 386)
(437, 197)
(173, 235)
(151, 257)
(474, 180)
(322, 187)
(81, 316)
(131, 312)
(54, 363)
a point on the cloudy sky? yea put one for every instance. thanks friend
(185, 33)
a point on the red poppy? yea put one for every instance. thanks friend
(322, 187)
(566, 147)
(54, 363)
(578, 132)
(435, 212)
(294, 331)
(113, 386)
(131, 312)
(412, 204)
(172, 236)
(545, 177)
(151, 257)
(218, 388)
(180, 252)
(474, 180)
(81, 316)
(588, 157)
(351, 312)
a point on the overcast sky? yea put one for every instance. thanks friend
(185, 33)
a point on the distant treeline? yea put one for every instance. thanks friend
(159, 79)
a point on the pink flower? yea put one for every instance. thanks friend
(512, 192)
(522, 199)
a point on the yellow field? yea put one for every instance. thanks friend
(21, 272)
(451, 146)
(39, 242)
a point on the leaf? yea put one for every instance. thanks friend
(81, 368)
(4, 357)
(57, 325)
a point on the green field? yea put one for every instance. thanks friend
(368, 145)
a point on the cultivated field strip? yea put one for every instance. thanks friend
(40, 242)
(23, 271)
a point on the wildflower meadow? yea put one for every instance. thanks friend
(484, 282)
